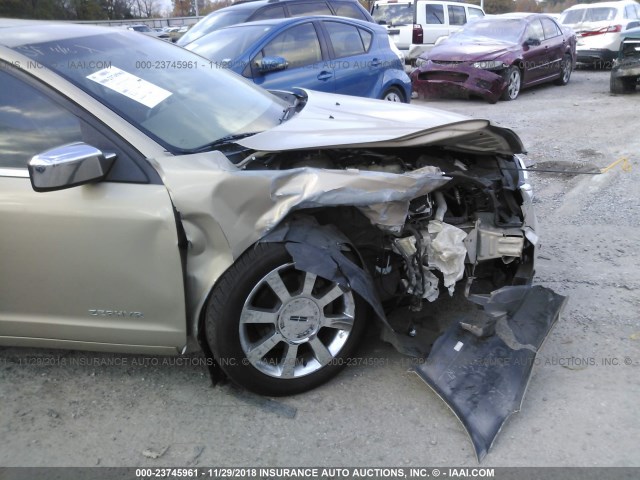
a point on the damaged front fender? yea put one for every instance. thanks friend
(225, 210)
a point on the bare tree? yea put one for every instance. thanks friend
(147, 8)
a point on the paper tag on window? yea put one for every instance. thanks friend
(130, 86)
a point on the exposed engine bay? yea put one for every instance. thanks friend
(473, 225)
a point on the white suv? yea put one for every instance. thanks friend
(598, 27)
(416, 26)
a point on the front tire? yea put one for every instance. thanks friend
(393, 95)
(277, 330)
(514, 82)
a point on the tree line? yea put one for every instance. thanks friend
(104, 9)
(129, 9)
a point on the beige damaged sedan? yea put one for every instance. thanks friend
(152, 203)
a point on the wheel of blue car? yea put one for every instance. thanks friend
(277, 330)
(514, 82)
(393, 95)
(565, 70)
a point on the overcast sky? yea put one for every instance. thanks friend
(164, 5)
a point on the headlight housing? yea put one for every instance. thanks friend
(421, 61)
(490, 65)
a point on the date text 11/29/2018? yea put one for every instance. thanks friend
(309, 472)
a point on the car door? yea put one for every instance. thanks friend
(89, 266)
(554, 45)
(300, 46)
(357, 65)
(457, 17)
(534, 53)
(435, 26)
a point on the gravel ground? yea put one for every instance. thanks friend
(62, 408)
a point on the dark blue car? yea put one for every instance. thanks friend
(328, 54)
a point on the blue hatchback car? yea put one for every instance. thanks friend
(324, 53)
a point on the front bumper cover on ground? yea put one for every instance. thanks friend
(483, 376)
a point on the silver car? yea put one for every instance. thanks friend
(153, 203)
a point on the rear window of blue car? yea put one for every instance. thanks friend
(347, 40)
(229, 43)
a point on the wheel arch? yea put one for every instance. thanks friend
(339, 224)
(398, 79)
(519, 62)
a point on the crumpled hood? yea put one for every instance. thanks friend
(455, 51)
(341, 121)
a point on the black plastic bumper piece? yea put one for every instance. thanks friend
(482, 373)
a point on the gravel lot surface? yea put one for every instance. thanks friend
(63, 408)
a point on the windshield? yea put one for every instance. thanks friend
(599, 14)
(212, 22)
(141, 28)
(393, 14)
(178, 98)
(229, 43)
(503, 30)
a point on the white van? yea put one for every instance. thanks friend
(416, 26)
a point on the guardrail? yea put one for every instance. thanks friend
(151, 22)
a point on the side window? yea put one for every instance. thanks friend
(456, 15)
(630, 12)
(31, 123)
(474, 13)
(550, 28)
(346, 9)
(345, 39)
(435, 14)
(366, 37)
(535, 31)
(303, 9)
(299, 45)
(267, 13)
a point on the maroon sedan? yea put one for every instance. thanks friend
(496, 56)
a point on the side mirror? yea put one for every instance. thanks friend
(532, 42)
(272, 64)
(68, 166)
